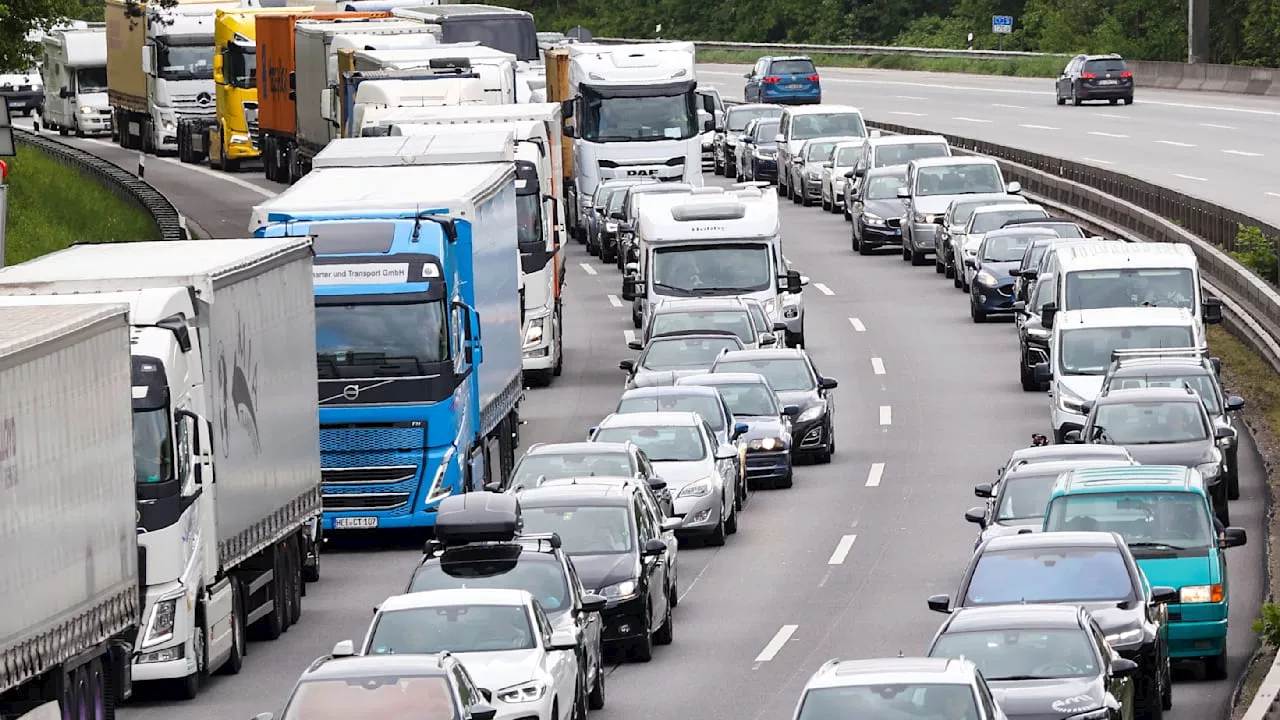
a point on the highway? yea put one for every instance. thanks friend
(790, 590)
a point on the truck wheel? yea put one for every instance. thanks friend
(272, 624)
(294, 582)
(235, 660)
(189, 686)
(559, 368)
(311, 561)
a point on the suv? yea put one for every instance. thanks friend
(1095, 77)
(890, 687)
(791, 80)
(895, 150)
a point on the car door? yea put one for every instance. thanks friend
(590, 624)
(561, 665)
(657, 517)
(655, 566)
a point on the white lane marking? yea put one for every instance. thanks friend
(216, 174)
(630, 335)
(1107, 134)
(823, 289)
(908, 114)
(874, 475)
(1215, 125)
(615, 301)
(969, 119)
(857, 325)
(842, 550)
(886, 415)
(1011, 107)
(910, 97)
(1111, 115)
(1096, 160)
(1242, 153)
(1039, 127)
(780, 638)
(877, 366)
(1277, 195)
(1190, 177)
(586, 268)
(1175, 143)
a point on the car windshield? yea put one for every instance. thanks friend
(791, 67)
(818, 151)
(1110, 65)
(553, 466)
(1149, 423)
(1008, 248)
(1070, 231)
(91, 80)
(784, 374)
(1032, 258)
(679, 353)
(386, 697)
(964, 209)
(1200, 381)
(1049, 575)
(379, 339)
(1023, 654)
(737, 322)
(452, 628)
(1087, 351)
(848, 155)
(583, 530)
(1025, 495)
(540, 574)
(804, 127)
(903, 701)
(738, 118)
(884, 187)
(677, 443)
(1149, 521)
(766, 132)
(887, 155)
(707, 406)
(959, 179)
(985, 222)
(749, 400)
(732, 268)
(1159, 287)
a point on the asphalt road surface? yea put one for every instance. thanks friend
(760, 614)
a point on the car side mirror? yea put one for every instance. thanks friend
(983, 490)
(345, 648)
(1216, 362)
(1212, 309)
(1016, 272)
(828, 164)
(654, 546)
(971, 263)
(1042, 372)
(779, 139)
(1086, 407)
(1014, 188)
(672, 524)
(568, 132)
(635, 345)
(747, 76)
(1047, 314)
(1163, 595)
(1233, 537)
(564, 640)
(1073, 437)
(791, 411)
(631, 268)
(904, 193)
(1223, 433)
(64, 93)
(848, 175)
(768, 340)
(940, 603)
(859, 172)
(493, 487)
(1123, 667)
(726, 452)
(1234, 403)
(590, 431)
(779, 327)
(627, 365)
(1020, 306)
(739, 429)
(592, 602)
(977, 516)
(483, 711)
(486, 693)
(827, 383)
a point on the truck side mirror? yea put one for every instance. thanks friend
(217, 69)
(794, 283)
(904, 193)
(146, 59)
(64, 93)
(1212, 310)
(1047, 313)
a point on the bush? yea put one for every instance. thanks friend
(1268, 626)
(1257, 252)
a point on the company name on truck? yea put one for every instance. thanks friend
(644, 173)
(8, 453)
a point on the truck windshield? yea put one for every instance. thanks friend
(1148, 521)
(610, 118)
(721, 270)
(152, 446)
(185, 62)
(513, 35)
(240, 66)
(389, 339)
(91, 80)
(1128, 287)
(529, 223)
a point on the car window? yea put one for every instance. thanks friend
(984, 695)
(1043, 295)
(651, 508)
(553, 466)
(964, 209)
(737, 322)
(1113, 65)
(452, 628)
(388, 696)
(1049, 575)
(1009, 654)
(707, 406)
(646, 531)
(738, 118)
(1025, 495)
(818, 151)
(1087, 351)
(848, 156)
(955, 179)
(1130, 287)
(466, 689)
(765, 132)
(1202, 382)
(985, 222)
(792, 67)
(843, 124)
(1008, 248)
(541, 575)
(584, 530)
(749, 400)
(758, 317)
(684, 352)
(678, 443)
(784, 374)
(1147, 520)
(544, 625)
(883, 187)
(1034, 253)
(895, 154)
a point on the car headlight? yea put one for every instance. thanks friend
(1200, 594)
(611, 227)
(85, 110)
(522, 693)
(769, 443)
(1069, 402)
(815, 175)
(1209, 470)
(986, 278)
(533, 334)
(624, 590)
(1122, 638)
(696, 489)
(870, 219)
(160, 624)
(812, 413)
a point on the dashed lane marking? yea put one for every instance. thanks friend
(842, 550)
(908, 114)
(615, 301)
(877, 366)
(586, 268)
(1038, 127)
(1190, 177)
(886, 415)
(1242, 153)
(780, 639)
(874, 474)
(857, 325)
(823, 289)
(969, 119)
(1107, 134)
(630, 335)
(1175, 143)
(1097, 161)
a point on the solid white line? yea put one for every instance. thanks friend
(217, 174)
(1040, 127)
(877, 366)
(615, 301)
(1242, 153)
(1107, 134)
(1190, 177)
(779, 639)
(630, 335)
(886, 415)
(842, 550)
(1175, 143)
(1096, 160)
(874, 475)
(857, 325)
(910, 97)
(908, 114)
(969, 119)
(1214, 125)
(1011, 107)
(823, 289)
(586, 268)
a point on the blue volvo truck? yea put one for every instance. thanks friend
(418, 311)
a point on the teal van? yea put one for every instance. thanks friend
(1163, 514)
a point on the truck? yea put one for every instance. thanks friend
(503, 29)
(70, 583)
(425, 250)
(159, 70)
(635, 114)
(495, 68)
(231, 136)
(370, 96)
(226, 456)
(539, 205)
(75, 94)
(277, 106)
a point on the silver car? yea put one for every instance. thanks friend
(838, 172)
(699, 471)
(951, 226)
(725, 147)
(931, 185)
(807, 165)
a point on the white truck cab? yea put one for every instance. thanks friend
(497, 69)
(75, 91)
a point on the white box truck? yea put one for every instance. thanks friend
(69, 587)
(226, 447)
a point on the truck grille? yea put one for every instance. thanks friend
(369, 501)
(371, 437)
(368, 475)
(188, 106)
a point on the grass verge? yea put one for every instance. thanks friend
(1037, 67)
(52, 206)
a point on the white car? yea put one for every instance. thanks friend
(502, 637)
(844, 157)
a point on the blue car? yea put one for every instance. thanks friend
(791, 80)
(991, 292)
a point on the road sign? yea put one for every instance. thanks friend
(1002, 24)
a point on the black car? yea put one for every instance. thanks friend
(794, 378)
(1064, 228)
(768, 438)
(1161, 426)
(724, 148)
(602, 227)
(1173, 368)
(1095, 77)
(478, 544)
(672, 356)
(877, 211)
(1027, 269)
(759, 151)
(1033, 337)
(1091, 569)
(618, 547)
(549, 461)
(1057, 453)
(628, 250)
(1040, 661)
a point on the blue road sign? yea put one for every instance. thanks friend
(1002, 24)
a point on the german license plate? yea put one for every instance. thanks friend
(795, 86)
(1108, 82)
(355, 523)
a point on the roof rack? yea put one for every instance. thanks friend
(1187, 353)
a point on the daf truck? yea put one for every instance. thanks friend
(69, 582)
(226, 456)
(75, 91)
(425, 251)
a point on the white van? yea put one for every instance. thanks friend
(805, 122)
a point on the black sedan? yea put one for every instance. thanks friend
(1041, 661)
(1090, 569)
(877, 211)
(668, 357)
(791, 373)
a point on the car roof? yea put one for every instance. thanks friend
(1127, 317)
(1148, 394)
(1161, 366)
(425, 664)
(603, 480)
(650, 419)
(946, 160)
(772, 58)
(733, 378)
(822, 109)
(1003, 207)
(663, 391)
(578, 448)
(687, 334)
(762, 354)
(892, 671)
(1014, 617)
(563, 495)
(1027, 454)
(905, 140)
(830, 138)
(1023, 232)
(1058, 467)
(1108, 56)
(1107, 479)
(694, 304)
(894, 170)
(753, 106)
(1054, 540)
(455, 596)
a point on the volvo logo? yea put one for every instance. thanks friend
(633, 173)
(351, 392)
(204, 98)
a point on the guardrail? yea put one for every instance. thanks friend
(1146, 73)
(124, 184)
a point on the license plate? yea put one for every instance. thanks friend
(795, 86)
(1108, 82)
(355, 523)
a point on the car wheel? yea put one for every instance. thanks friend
(1027, 375)
(939, 265)
(716, 538)
(1233, 481)
(797, 192)
(1128, 100)
(1061, 100)
(580, 703)
(844, 208)
(642, 647)
(918, 258)
(731, 523)
(1075, 100)
(1215, 668)
(1166, 685)
(1147, 693)
(805, 200)
(978, 314)
(826, 204)
(717, 168)
(947, 270)
(906, 250)
(957, 277)
(595, 699)
(853, 239)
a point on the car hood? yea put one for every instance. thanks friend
(1085, 386)
(600, 571)
(679, 474)
(804, 398)
(656, 378)
(1114, 619)
(813, 167)
(972, 241)
(887, 209)
(497, 670)
(760, 426)
(1176, 572)
(1036, 699)
(1188, 454)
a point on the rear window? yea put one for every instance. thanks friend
(986, 222)
(792, 67)
(1114, 65)
(766, 132)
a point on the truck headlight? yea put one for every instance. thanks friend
(163, 615)
(812, 413)
(522, 693)
(1200, 594)
(237, 139)
(696, 489)
(768, 443)
(533, 334)
(439, 490)
(86, 110)
(1068, 401)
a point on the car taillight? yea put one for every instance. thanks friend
(1087, 76)
(1126, 74)
(772, 79)
(812, 78)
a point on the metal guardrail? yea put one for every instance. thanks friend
(124, 184)
(1146, 73)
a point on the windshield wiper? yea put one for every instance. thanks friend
(1021, 677)
(717, 289)
(1150, 544)
(672, 288)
